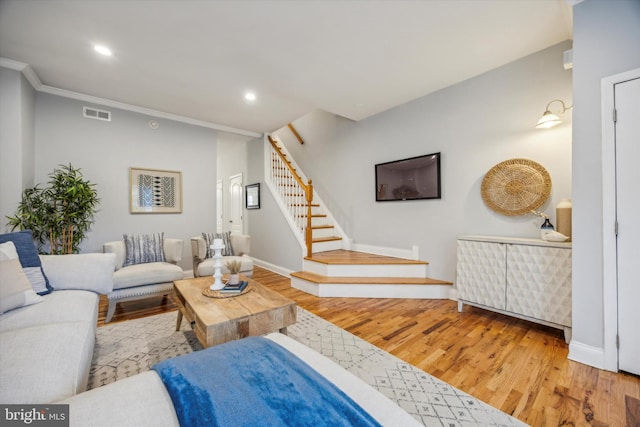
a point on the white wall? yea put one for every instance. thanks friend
(105, 151)
(17, 115)
(607, 40)
(273, 244)
(475, 124)
(231, 161)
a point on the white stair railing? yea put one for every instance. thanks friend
(293, 193)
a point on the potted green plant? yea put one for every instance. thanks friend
(60, 215)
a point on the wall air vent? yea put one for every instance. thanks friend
(94, 113)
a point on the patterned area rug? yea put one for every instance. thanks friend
(127, 348)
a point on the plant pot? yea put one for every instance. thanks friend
(234, 279)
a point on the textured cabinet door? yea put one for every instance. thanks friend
(481, 273)
(539, 283)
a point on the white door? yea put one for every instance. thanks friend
(235, 204)
(627, 135)
(219, 210)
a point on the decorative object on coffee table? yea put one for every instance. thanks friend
(516, 187)
(217, 248)
(223, 293)
(234, 271)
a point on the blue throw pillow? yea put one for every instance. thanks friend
(29, 259)
(143, 248)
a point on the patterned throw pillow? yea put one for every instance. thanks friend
(226, 240)
(29, 259)
(143, 248)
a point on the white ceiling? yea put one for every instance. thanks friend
(195, 59)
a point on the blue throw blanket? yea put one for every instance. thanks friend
(254, 382)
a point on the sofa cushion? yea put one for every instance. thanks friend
(205, 268)
(15, 288)
(88, 272)
(146, 274)
(45, 363)
(59, 306)
(226, 241)
(143, 248)
(141, 400)
(28, 254)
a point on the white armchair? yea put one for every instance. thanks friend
(143, 280)
(203, 266)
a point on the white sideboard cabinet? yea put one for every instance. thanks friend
(525, 278)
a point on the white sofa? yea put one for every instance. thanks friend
(143, 280)
(46, 348)
(203, 266)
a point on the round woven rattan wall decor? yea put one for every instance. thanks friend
(516, 187)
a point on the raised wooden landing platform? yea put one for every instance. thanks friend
(352, 257)
(342, 273)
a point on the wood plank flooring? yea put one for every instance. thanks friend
(345, 257)
(516, 366)
(356, 280)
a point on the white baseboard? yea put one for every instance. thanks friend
(272, 267)
(381, 250)
(583, 353)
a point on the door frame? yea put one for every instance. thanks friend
(219, 206)
(231, 179)
(609, 251)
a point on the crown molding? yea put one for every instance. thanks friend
(143, 110)
(25, 69)
(32, 77)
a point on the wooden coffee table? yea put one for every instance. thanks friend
(218, 320)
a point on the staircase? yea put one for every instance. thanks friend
(313, 226)
(330, 270)
(342, 273)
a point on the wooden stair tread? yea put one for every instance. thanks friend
(344, 257)
(325, 239)
(317, 278)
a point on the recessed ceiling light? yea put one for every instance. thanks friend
(250, 96)
(102, 50)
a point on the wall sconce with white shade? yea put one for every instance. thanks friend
(550, 119)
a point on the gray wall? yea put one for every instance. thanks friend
(231, 161)
(273, 243)
(475, 124)
(106, 150)
(606, 42)
(17, 116)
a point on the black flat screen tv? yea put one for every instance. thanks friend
(416, 178)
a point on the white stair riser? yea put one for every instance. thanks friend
(366, 270)
(332, 245)
(323, 232)
(319, 220)
(372, 290)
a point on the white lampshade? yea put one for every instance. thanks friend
(548, 120)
